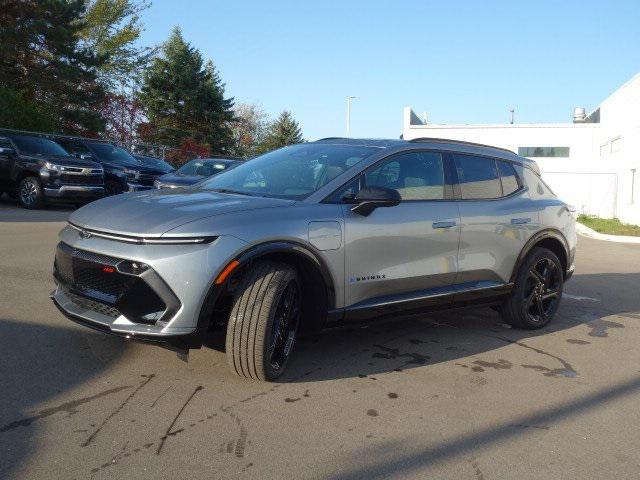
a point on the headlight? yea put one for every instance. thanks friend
(52, 166)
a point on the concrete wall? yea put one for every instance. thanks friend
(597, 175)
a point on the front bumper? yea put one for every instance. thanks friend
(74, 191)
(181, 275)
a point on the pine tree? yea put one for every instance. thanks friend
(184, 99)
(282, 132)
(112, 29)
(42, 62)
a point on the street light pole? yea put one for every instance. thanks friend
(349, 116)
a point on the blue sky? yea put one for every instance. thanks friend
(461, 61)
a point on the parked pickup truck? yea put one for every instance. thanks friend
(122, 171)
(37, 170)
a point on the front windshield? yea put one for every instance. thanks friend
(157, 163)
(38, 146)
(293, 172)
(203, 168)
(112, 153)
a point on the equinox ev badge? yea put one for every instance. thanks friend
(84, 234)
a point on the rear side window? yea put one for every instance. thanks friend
(478, 177)
(508, 177)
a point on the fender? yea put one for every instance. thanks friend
(298, 249)
(535, 238)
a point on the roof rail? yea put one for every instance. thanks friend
(332, 138)
(461, 142)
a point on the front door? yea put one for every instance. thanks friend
(408, 248)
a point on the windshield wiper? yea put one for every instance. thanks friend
(226, 190)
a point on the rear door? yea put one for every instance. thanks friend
(407, 248)
(496, 217)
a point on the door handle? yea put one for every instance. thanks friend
(520, 221)
(446, 224)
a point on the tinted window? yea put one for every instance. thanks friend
(292, 172)
(543, 151)
(478, 177)
(509, 177)
(203, 168)
(112, 153)
(415, 175)
(74, 148)
(37, 146)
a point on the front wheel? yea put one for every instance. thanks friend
(537, 291)
(30, 193)
(264, 321)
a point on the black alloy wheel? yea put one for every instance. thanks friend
(285, 325)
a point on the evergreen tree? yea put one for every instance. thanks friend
(42, 63)
(282, 132)
(184, 99)
(111, 30)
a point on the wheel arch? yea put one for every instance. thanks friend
(319, 296)
(22, 174)
(550, 239)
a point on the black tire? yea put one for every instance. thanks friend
(262, 329)
(537, 291)
(30, 193)
(112, 188)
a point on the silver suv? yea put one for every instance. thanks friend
(316, 235)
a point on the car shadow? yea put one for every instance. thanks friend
(461, 335)
(10, 211)
(34, 370)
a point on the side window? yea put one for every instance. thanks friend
(478, 177)
(415, 175)
(508, 177)
(73, 148)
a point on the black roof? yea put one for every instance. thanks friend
(470, 147)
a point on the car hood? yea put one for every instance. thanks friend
(64, 161)
(154, 212)
(179, 179)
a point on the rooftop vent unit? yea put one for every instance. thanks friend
(579, 115)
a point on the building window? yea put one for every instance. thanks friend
(543, 151)
(616, 144)
(603, 149)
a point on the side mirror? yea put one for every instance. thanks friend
(8, 151)
(370, 198)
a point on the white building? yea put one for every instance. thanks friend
(592, 163)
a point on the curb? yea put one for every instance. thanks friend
(588, 232)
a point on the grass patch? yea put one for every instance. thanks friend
(611, 226)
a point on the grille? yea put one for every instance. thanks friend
(84, 271)
(92, 305)
(81, 180)
(95, 278)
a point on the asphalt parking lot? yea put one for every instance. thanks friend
(456, 395)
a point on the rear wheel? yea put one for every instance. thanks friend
(30, 193)
(537, 291)
(264, 321)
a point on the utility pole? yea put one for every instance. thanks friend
(512, 111)
(349, 115)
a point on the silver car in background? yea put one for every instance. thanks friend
(317, 235)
